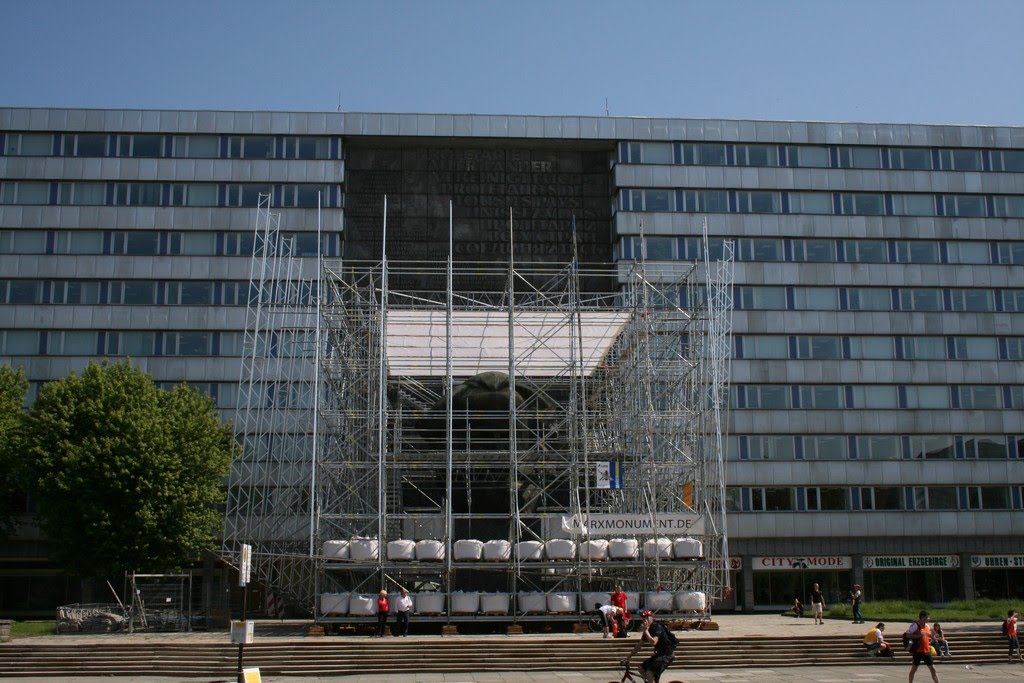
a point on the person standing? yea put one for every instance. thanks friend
(1010, 629)
(382, 613)
(921, 635)
(619, 599)
(402, 608)
(818, 604)
(856, 597)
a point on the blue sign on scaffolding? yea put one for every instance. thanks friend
(609, 474)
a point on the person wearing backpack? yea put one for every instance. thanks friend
(664, 643)
(920, 636)
(1010, 631)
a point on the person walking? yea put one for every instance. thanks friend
(402, 608)
(856, 597)
(921, 635)
(1010, 630)
(818, 604)
(382, 613)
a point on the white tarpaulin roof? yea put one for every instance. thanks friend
(543, 341)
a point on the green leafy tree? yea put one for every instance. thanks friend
(126, 475)
(13, 386)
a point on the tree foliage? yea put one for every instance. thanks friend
(126, 475)
(13, 386)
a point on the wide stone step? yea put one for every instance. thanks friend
(323, 657)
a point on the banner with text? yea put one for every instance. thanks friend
(781, 563)
(615, 525)
(996, 561)
(911, 561)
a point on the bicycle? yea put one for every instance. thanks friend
(596, 622)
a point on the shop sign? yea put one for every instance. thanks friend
(911, 561)
(735, 564)
(996, 561)
(663, 524)
(811, 562)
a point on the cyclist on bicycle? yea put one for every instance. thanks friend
(664, 643)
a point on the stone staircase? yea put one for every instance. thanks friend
(463, 654)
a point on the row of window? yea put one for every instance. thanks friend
(826, 250)
(922, 299)
(821, 156)
(153, 292)
(876, 397)
(833, 347)
(874, 447)
(156, 145)
(886, 498)
(822, 203)
(159, 243)
(84, 193)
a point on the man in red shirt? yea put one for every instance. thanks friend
(619, 600)
(1011, 636)
(921, 634)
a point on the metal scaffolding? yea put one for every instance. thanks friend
(529, 410)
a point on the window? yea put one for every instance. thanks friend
(135, 243)
(931, 446)
(86, 145)
(320, 148)
(821, 397)
(1013, 300)
(935, 498)
(705, 201)
(762, 346)
(757, 155)
(819, 347)
(771, 447)
(1007, 160)
(976, 348)
(22, 242)
(657, 248)
(759, 250)
(960, 159)
(251, 147)
(920, 299)
(70, 343)
(815, 299)
(25, 192)
(865, 251)
(913, 205)
(190, 293)
(772, 499)
(758, 202)
(21, 291)
(19, 342)
(881, 498)
(704, 154)
(872, 348)
(196, 146)
(733, 499)
(927, 397)
(74, 292)
(1009, 207)
(980, 397)
(82, 194)
(875, 397)
(969, 252)
(910, 159)
(767, 396)
(964, 205)
(148, 146)
(879, 447)
(859, 157)
(1011, 253)
(761, 298)
(1014, 348)
(824, 498)
(861, 204)
(818, 251)
(30, 144)
(986, 447)
(868, 299)
(924, 348)
(137, 194)
(988, 497)
(826, 447)
(810, 202)
(188, 343)
(808, 155)
(197, 194)
(917, 252)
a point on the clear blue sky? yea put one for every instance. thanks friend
(925, 61)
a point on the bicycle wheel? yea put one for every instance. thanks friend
(596, 623)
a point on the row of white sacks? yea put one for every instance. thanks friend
(468, 550)
(365, 604)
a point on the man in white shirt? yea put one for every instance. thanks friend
(402, 608)
(610, 612)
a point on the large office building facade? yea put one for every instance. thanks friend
(876, 430)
